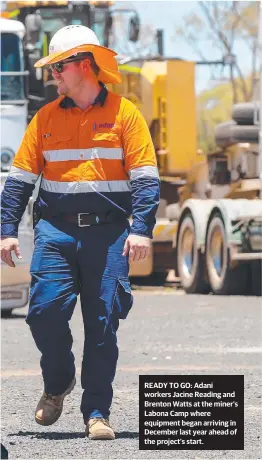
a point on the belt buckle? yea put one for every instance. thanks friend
(79, 217)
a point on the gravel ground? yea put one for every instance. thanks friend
(167, 332)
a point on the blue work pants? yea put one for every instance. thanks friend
(68, 261)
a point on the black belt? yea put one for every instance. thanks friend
(86, 219)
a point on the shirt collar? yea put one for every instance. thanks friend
(68, 103)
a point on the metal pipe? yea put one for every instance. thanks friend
(160, 41)
(14, 74)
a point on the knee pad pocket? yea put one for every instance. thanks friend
(123, 300)
(117, 295)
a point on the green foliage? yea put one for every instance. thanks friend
(225, 24)
(214, 106)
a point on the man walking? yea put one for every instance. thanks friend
(98, 166)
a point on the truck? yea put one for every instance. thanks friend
(42, 18)
(209, 232)
(14, 115)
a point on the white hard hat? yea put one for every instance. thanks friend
(71, 36)
(74, 39)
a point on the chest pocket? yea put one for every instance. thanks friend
(106, 139)
(57, 141)
(57, 148)
(58, 134)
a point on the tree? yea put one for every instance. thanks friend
(225, 24)
(214, 106)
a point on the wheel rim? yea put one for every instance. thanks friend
(187, 253)
(217, 252)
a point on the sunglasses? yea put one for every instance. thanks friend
(59, 66)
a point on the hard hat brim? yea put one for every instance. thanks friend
(104, 58)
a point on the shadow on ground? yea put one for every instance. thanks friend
(70, 435)
(13, 316)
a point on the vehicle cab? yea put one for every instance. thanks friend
(13, 98)
(14, 113)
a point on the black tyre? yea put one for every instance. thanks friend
(245, 133)
(6, 313)
(245, 113)
(223, 134)
(223, 279)
(189, 259)
(256, 278)
(230, 133)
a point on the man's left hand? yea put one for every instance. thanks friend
(138, 247)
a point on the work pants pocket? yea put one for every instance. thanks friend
(123, 300)
(117, 295)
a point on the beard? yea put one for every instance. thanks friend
(62, 91)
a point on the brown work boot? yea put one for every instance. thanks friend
(50, 407)
(99, 428)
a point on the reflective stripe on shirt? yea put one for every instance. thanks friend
(21, 174)
(86, 186)
(83, 154)
(143, 171)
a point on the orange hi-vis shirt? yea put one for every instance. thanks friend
(91, 161)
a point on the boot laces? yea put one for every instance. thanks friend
(48, 396)
(50, 399)
(98, 419)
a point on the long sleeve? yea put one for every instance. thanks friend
(20, 183)
(141, 166)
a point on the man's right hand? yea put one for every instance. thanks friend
(7, 246)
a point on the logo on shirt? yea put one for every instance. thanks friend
(106, 125)
(47, 135)
(103, 125)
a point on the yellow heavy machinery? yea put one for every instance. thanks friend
(42, 18)
(209, 232)
(164, 92)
